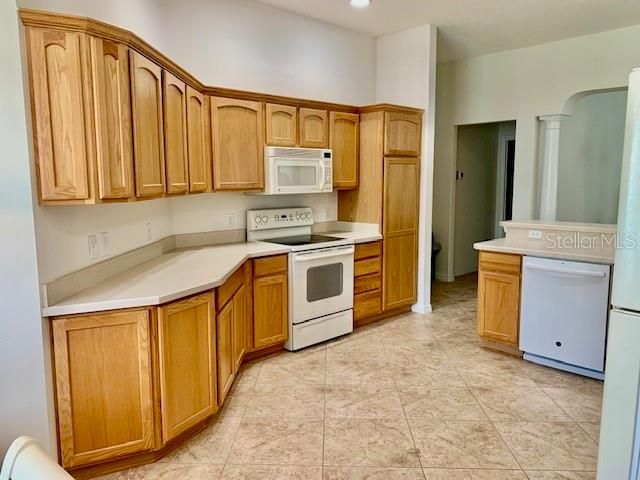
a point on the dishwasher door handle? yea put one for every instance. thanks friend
(563, 271)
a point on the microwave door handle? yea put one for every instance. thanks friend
(322, 176)
(317, 256)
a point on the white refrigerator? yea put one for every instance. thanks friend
(619, 433)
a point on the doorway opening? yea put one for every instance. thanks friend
(484, 188)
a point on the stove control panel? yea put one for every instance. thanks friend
(279, 218)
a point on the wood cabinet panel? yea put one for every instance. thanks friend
(269, 265)
(230, 287)
(402, 133)
(499, 297)
(238, 144)
(367, 304)
(198, 142)
(148, 137)
(344, 142)
(239, 326)
(103, 386)
(367, 283)
(367, 266)
(270, 307)
(112, 102)
(281, 125)
(224, 342)
(399, 270)
(186, 337)
(61, 104)
(367, 250)
(313, 128)
(174, 96)
(401, 195)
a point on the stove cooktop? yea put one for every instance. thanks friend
(303, 240)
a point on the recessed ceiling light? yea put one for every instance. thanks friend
(360, 3)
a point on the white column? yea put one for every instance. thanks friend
(550, 163)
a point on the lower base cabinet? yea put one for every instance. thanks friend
(367, 284)
(103, 378)
(270, 310)
(226, 362)
(187, 353)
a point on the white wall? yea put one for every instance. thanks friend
(475, 192)
(232, 43)
(23, 342)
(519, 85)
(406, 69)
(590, 160)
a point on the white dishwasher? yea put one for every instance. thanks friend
(563, 314)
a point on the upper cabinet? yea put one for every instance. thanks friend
(343, 140)
(281, 125)
(174, 95)
(313, 128)
(198, 141)
(238, 144)
(112, 101)
(61, 122)
(148, 137)
(402, 134)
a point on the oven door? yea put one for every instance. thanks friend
(296, 176)
(321, 282)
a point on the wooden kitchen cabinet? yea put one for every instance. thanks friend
(281, 125)
(240, 311)
(367, 283)
(174, 102)
(224, 341)
(148, 136)
(198, 141)
(499, 298)
(112, 102)
(238, 144)
(400, 230)
(61, 100)
(270, 301)
(187, 353)
(103, 385)
(343, 140)
(402, 134)
(314, 128)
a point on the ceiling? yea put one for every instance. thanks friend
(475, 27)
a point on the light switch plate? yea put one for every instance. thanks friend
(94, 250)
(149, 232)
(105, 244)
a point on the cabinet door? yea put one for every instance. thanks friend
(270, 320)
(400, 226)
(60, 95)
(148, 138)
(112, 100)
(239, 326)
(402, 133)
(313, 128)
(198, 143)
(499, 306)
(174, 95)
(238, 144)
(343, 140)
(281, 123)
(186, 338)
(224, 341)
(103, 386)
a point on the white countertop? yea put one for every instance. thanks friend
(503, 245)
(174, 275)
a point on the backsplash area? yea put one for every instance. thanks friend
(63, 231)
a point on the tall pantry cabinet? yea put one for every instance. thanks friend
(388, 194)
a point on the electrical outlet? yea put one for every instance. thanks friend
(149, 232)
(230, 220)
(105, 244)
(535, 234)
(93, 247)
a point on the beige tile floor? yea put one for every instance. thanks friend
(412, 397)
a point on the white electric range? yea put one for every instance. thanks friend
(320, 274)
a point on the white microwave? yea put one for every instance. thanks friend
(297, 170)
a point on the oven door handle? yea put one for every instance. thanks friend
(321, 256)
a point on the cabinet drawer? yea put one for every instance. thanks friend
(270, 265)
(367, 283)
(228, 288)
(500, 262)
(366, 250)
(367, 266)
(367, 304)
